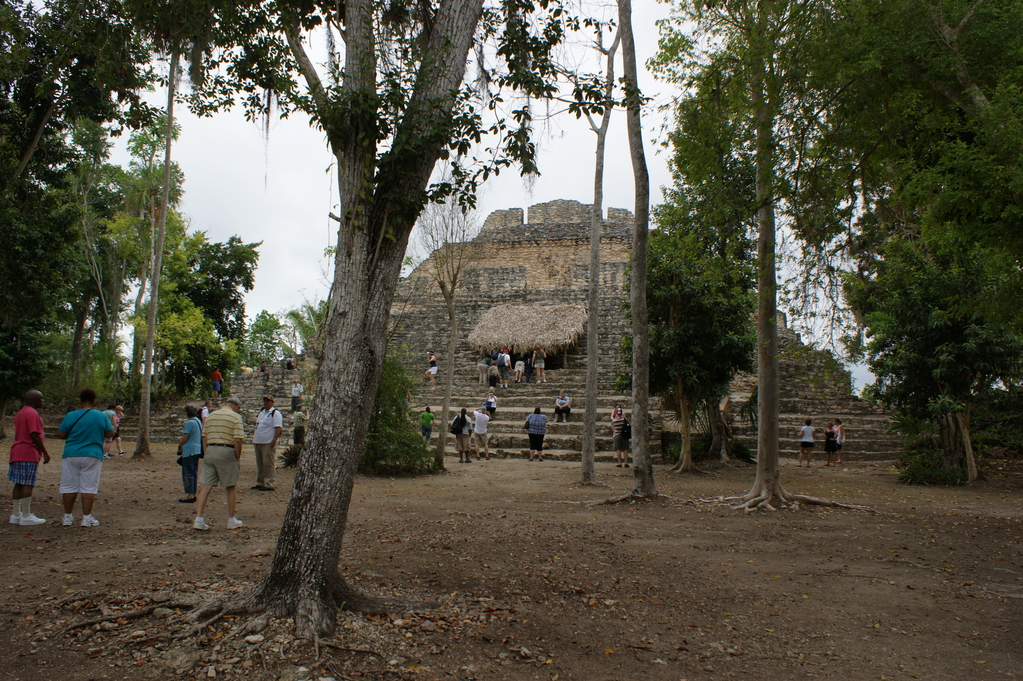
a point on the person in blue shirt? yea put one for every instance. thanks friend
(84, 430)
(190, 448)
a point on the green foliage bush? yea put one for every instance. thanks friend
(925, 466)
(290, 456)
(394, 445)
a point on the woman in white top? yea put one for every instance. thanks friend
(805, 443)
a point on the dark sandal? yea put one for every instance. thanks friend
(186, 500)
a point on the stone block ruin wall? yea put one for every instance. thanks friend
(539, 258)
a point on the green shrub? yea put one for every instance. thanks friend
(741, 451)
(701, 445)
(925, 466)
(394, 445)
(671, 451)
(289, 457)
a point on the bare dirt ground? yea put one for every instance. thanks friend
(530, 583)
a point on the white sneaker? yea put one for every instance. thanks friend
(31, 519)
(89, 521)
(15, 519)
(200, 524)
(234, 523)
(68, 519)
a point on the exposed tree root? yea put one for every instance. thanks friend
(616, 499)
(314, 613)
(127, 615)
(763, 498)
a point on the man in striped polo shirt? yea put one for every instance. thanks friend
(222, 438)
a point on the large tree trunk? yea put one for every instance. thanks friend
(685, 410)
(956, 447)
(767, 487)
(449, 379)
(643, 471)
(303, 579)
(142, 446)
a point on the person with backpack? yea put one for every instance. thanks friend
(504, 366)
(269, 424)
(189, 453)
(494, 375)
(460, 426)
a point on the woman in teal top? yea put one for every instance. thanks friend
(84, 430)
(190, 446)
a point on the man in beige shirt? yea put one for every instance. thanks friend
(222, 438)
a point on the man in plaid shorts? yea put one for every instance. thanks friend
(28, 448)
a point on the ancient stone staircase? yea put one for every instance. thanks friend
(508, 438)
(814, 385)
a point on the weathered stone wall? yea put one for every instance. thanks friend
(544, 261)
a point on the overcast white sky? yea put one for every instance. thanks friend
(278, 189)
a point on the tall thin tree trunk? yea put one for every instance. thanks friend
(722, 434)
(142, 446)
(449, 380)
(589, 437)
(81, 316)
(643, 471)
(766, 482)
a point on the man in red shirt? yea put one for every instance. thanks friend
(217, 381)
(26, 451)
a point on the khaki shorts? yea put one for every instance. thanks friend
(481, 439)
(219, 467)
(462, 440)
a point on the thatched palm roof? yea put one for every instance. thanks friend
(520, 327)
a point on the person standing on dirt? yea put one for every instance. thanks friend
(269, 424)
(621, 445)
(222, 441)
(217, 380)
(189, 453)
(460, 428)
(536, 428)
(830, 446)
(839, 439)
(480, 434)
(805, 443)
(84, 430)
(23, 467)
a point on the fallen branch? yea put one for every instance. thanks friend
(129, 614)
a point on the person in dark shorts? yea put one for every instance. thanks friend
(805, 443)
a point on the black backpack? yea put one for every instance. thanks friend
(627, 430)
(457, 425)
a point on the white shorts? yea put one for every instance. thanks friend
(432, 370)
(520, 367)
(80, 474)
